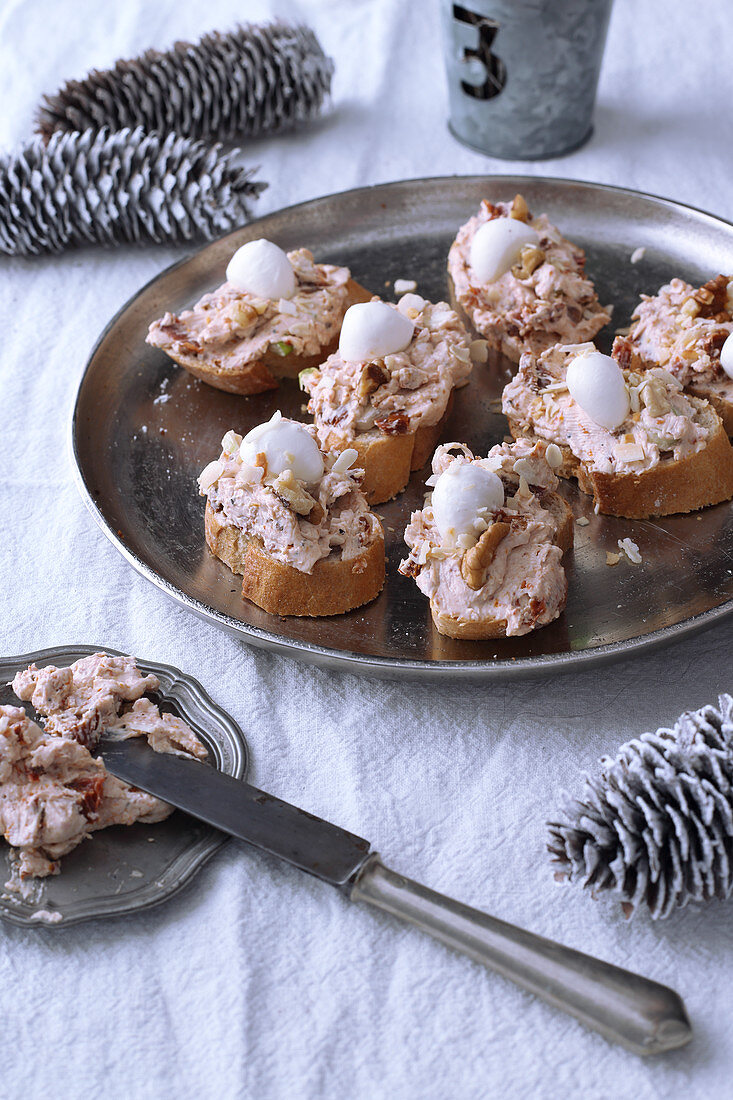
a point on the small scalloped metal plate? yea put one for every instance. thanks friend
(127, 868)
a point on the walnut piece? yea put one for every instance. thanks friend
(290, 490)
(529, 260)
(654, 396)
(477, 560)
(372, 377)
(242, 314)
(519, 210)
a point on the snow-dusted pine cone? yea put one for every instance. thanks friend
(656, 827)
(126, 186)
(252, 80)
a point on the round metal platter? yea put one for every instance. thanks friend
(143, 429)
(126, 868)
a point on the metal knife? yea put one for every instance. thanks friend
(640, 1014)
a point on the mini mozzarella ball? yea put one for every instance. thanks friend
(286, 445)
(260, 267)
(496, 246)
(373, 329)
(464, 493)
(726, 356)
(597, 384)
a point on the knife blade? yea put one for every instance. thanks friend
(641, 1014)
(309, 843)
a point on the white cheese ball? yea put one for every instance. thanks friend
(496, 246)
(464, 493)
(597, 384)
(726, 356)
(286, 445)
(373, 329)
(260, 267)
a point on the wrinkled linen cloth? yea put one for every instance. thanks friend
(257, 981)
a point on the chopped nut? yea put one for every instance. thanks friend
(690, 307)
(612, 559)
(477, 560)
(372, 377)
(638, 254)
(653, 394)
(629, 452)
(553, 456)
(242, 314)
(210, 475)
(479, 351)
(231, 443)
(582, 521)
(519, 209)
(316, 513)
(462, 354)
(290, 490)
(631, 550)
(261, 461)
(530, 258)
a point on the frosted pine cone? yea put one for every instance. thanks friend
(656, 827)
(250, 81)
(123, 187)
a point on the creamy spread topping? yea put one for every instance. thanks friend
(298, 523)
(231, 327)
(543, 299)
(681, 329)
(514, 572)
(396, 393)
(53, 792)
(662, 421)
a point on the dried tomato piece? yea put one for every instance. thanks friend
(396, 423)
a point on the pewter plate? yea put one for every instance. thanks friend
(126, 868)
(143, 429)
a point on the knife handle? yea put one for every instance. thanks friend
(640, 1014)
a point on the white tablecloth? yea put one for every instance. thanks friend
(257, 981)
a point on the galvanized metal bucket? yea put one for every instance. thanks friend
(523, 74)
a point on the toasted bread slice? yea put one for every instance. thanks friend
(720, 396)
(562, 516)
(333, 587)
(388, 460)
(534, 305)
(455, 626)
(261, 374)
(674, 485)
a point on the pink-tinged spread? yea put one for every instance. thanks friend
(525, 584)
(408, 389)
(662, 421)
(546, 299)
(229, 327)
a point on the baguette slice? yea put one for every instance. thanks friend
(720, 396)
(455, 626)
(388, 460)
(682, 328)
(333, 587)
(674, 485)
(261, 374)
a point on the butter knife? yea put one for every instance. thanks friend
(640, 1014)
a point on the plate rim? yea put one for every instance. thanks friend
(394, 667)
(201, 851)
